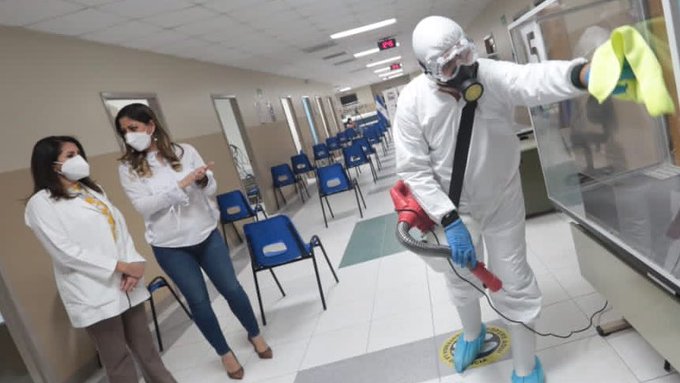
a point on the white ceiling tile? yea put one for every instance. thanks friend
(144, 8)
(219, 23)
(23, 12)
(122, 32)
(155, 40)
(230, 5)
(88, 20)
(181, 17)
(93, 3)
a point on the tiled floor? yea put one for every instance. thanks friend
(391, 304)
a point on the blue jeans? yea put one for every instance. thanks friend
(183, 265)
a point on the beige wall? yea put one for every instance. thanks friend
(55, 84)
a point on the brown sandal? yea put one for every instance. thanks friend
(266, 354)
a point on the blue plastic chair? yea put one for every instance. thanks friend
(355, 156)
(282, 175)
(375, 137)
(321, 153)
(333, 179)
(368, 149)
(342, 137)
(333, 144)
(154, 285)
(275, 242)
(234, 207)
(351, 133)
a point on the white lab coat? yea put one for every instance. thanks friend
(492, 204)
(84, 254)
(173, 217)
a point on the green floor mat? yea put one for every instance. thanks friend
(371, 239)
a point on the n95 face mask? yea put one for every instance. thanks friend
(75, 168)
(140, 141)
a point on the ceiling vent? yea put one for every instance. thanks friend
(334, 55)
(345, 61)
(319, 47)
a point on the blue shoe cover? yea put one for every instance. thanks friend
(466, 352)
(536, 375)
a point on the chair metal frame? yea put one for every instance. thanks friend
(152, 287)
(306, 251)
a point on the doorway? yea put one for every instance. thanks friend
(229, 115)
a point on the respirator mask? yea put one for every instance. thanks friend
(457, 68)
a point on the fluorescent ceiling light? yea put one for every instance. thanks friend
(344, 89)
(395, 58)
(393, 76)
(385, 69)
(368, 52)
(365, 28)
(392, 73)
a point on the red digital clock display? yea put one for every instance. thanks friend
(395, 66)
(387, 43)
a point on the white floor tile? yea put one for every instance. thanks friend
(674, 378)
(404, 298)
(561, 318)
(572, 281)
(400, 329)
(344, 314)
(286, 361)
(589, 304)
(336, 345)
(640, 357)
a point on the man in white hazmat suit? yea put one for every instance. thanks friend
(491, 207)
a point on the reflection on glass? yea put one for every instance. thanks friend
(287, 105)
(307, 105)
(322, 113)
(608, 164)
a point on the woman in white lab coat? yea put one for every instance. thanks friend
(97, 270)
(171, 186)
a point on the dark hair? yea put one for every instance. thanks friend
(136, 159)
(45, 153)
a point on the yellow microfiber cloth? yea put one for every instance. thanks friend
(647, 87)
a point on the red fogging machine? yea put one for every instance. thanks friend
(412, 215)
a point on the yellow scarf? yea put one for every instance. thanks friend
(94, 201)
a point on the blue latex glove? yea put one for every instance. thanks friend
(626, 74)
(462, 249)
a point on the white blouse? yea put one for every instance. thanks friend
(173, 217)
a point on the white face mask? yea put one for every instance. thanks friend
(140, 141)
(75, 168)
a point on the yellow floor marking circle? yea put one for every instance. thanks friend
(496, 345)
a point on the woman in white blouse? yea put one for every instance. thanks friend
(96, 267)
(171, 186)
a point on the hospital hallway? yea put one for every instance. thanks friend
(390, 317)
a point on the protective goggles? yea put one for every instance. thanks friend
(447, 66)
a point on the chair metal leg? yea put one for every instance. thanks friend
(375, 176)
(277, 282)
(377, 160)
(174, 294)
(329, 207)
(323, 211)
(276, 198)
(240, 239)
(259, 298)
(361, 213)
(318, 282)
(155, 323)
(224, 234)
(316, 240)
(361, 194)
(283, 197)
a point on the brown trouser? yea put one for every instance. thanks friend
(115, 335)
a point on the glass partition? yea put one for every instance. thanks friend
(234, 130)
(322, 113)
(289, 112)
(610, 166)
(309, 112)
